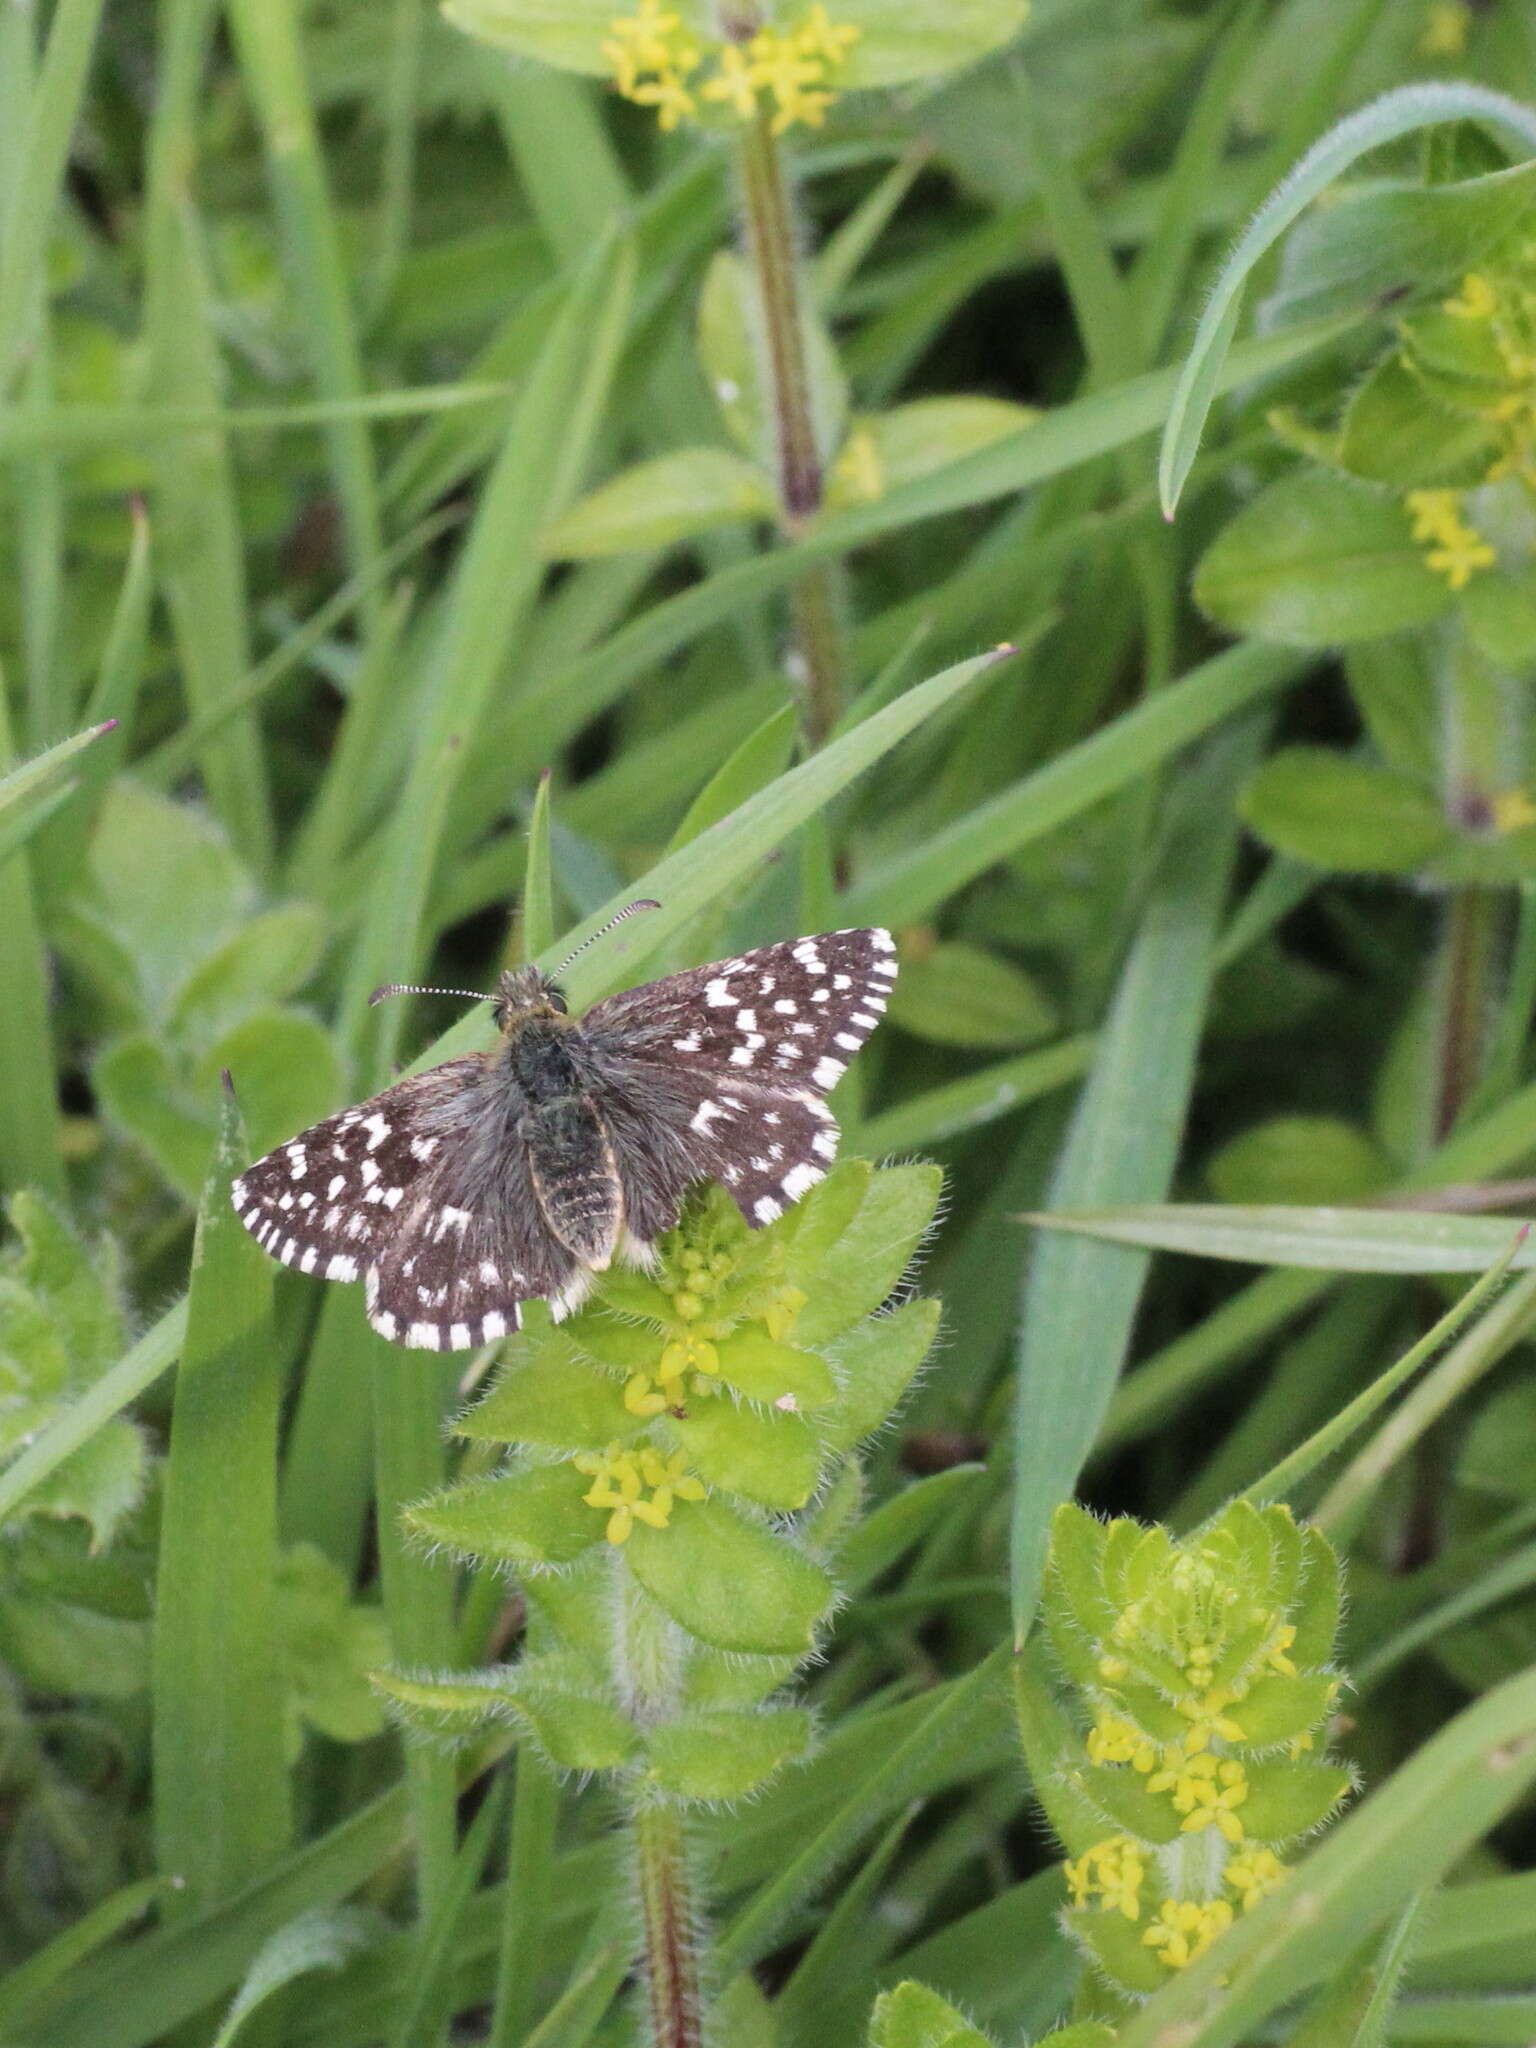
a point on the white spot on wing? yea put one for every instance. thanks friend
(800, 1180)
(767, 1210)
(826, 1072)
(423, 1337)
(342, 1266)
(378, 1129)
(703, 1115)
(717, 993)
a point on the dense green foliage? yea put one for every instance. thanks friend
(447, 494)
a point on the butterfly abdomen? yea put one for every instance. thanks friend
(574, 1176)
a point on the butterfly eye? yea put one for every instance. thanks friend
(557, 1002)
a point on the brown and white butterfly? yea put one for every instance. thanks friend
(462, 1192)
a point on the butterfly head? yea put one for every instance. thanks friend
(522, 994)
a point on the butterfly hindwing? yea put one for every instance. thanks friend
(466, 1252)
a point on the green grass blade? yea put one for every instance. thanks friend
(1395, 114)
(30, 1987)
(266, 34)
(688, 881)
(30, 1153)
(37, 176)
(1475, 1353)
(322, 1940)
(221, 1778)
(86, 429)
(762, 755)
(40, 777)
(134, 1996)
(982, 1097)
(428, 2010)
(581, 2008)
(915, 883)
(1354, 2012)
(1479, 1150)
(751, 1934)
(1512, 1576)
(554, 425)
(530, 1852)
(1280, 1482)
(1326, 1240)
(1080, 1299)
(200, 545)
(1073, 434)
(538, 904)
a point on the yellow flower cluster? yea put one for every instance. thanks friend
(1455, 550)
(1113, 1875)
(636, 1486)
(1185, 1928)
(1111, 1872)
(1253, 1874)
(791, 72)
(1505, 305)
(1206, 1790)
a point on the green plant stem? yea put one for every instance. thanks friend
(671, 1963)
(768, 218)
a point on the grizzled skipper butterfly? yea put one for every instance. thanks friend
(520, 1173)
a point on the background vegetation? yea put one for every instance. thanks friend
(401, 524)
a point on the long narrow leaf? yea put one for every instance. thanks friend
(1326, 1240)
(221, 1779)
(1080, 1300)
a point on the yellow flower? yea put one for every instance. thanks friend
(1513, 811)
(1208, 1713)
(1477, 299)
(1185, 1928)
(818, 37)
(652, 57)
(858, 474)
(1206, 1790)
(736, 83)
(619, 1482)
(1111, 1871)
(1253, 1874)
(1455, 550)
(1446, 23)
(653, 61)
(1113, 1741)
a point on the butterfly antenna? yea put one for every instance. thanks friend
(410, 988)
(629, 910)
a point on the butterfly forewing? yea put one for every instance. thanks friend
(328, 1200)
(720, 1072)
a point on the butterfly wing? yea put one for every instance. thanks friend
(327, 1201)
(468, 1248)
(722, 1072)
(423, 1194)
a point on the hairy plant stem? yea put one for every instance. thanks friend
(671, 1957)
(768, 219)
(647, 1653)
